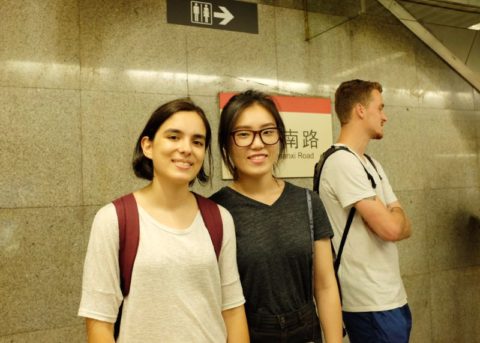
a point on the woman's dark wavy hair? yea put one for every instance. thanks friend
(234, 107)
(142, 165)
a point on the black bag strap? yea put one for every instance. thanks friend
(348, 224)
(374, 166)
(316, 186)
(312, 238)
(327, 153)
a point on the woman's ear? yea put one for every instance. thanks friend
(147, 147)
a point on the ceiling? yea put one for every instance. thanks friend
(444, 13)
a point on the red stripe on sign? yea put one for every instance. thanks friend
(291, 103)
(224, 97)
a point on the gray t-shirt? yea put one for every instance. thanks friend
(369, 272)
(274, 248)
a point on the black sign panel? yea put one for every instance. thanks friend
(219, 14)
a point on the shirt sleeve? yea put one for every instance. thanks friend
(232, 293)
(101, 293)
(322, 226)
(344, 175)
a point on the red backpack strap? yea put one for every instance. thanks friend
(213, 221)
(129, 233)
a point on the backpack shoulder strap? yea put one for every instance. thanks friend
(129, 235)
(334, 148)
(351, 214)
(312, 235)
(374, 166)
(319, 165)
(348, 224)
(213, 221)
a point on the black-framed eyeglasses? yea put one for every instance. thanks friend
(244, 137)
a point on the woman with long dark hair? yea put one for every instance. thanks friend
(284, 286)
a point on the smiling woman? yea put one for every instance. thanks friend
(177, 150)
(170, 119)
(181, 289)
(278, 246)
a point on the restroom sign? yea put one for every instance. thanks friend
(217, 14)
(308, 133)
(201, 13)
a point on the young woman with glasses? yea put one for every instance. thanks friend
(274, 243)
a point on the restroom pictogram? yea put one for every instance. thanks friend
(201, 12)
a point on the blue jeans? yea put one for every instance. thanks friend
(391, 326)
(296, 327)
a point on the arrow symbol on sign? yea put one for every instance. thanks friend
(225, 15)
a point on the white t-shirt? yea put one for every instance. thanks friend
(178, 288)
(369, 269)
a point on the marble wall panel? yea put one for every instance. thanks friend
(233, 61)
(329, 56)
(70, 334)
(291, 52)
(111, 125)
(458, 40)
(41, 151)
(418, 288)
(455, 300)
(438, 85)
(450, 136)
(210, 105)
(128, 46)
(302, 64)
(453, 236)
(402, 151)
(40, 46)
(478, 146)
(473, 59)
(476, 99)
(413, 251)
(41, 260)
(427, 148)
(377, 56)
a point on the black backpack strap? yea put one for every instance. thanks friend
(348, 224)
(321, 162)
(312, 237)
(351, 214)
(374, 166)
(213, 221)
